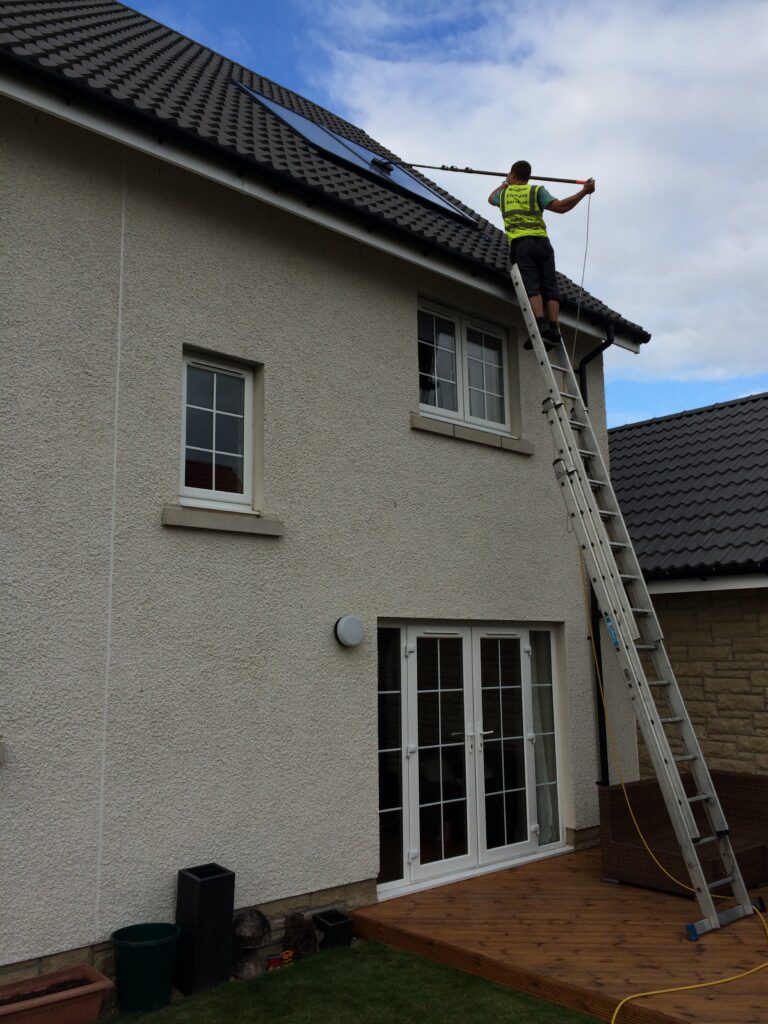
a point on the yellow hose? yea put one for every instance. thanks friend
(652, 855)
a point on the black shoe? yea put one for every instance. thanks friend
(543, 326)
(551, 333)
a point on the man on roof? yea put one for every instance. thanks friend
(522, 206)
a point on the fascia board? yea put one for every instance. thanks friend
(690, 585)
(135, 137)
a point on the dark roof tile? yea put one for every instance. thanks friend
(693, 488)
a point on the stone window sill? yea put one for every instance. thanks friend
(464, 433)
(227, 522)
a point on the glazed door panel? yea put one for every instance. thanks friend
(440, 753)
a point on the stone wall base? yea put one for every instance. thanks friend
(101, 956)
(583, 838)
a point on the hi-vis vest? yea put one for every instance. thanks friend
(520, 209)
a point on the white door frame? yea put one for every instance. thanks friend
(420, 872)
(477, 858)
(530, 844)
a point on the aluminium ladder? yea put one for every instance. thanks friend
(634, 630)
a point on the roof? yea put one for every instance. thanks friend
(114, 57)
(693, 488)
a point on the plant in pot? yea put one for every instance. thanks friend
(71, 996)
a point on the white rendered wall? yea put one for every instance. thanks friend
(175, 696)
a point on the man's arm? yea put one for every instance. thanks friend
(564, 205)
(493, 198)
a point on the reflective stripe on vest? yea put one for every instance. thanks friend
(520, 209)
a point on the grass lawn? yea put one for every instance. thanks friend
(367, 983)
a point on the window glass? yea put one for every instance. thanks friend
(461, 370)
(437, 362)
(217, 435)
(390, 757)
(214, 434)
(542, 688)
(485, 378)
(504, 746)
(198, 469)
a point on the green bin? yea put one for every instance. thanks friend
(145, 956)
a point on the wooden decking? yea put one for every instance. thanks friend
(554, 929)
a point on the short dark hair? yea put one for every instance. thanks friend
(521, 169)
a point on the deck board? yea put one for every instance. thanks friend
(555, 929)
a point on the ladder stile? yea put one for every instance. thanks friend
(635, 633)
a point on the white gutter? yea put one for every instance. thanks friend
(33, 95)
(749, 581)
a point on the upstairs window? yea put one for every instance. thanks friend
(463, 370)
(217, 435)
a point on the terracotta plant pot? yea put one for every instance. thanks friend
(52, 999)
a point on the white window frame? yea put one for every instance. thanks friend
(462, 325)
(201, 497)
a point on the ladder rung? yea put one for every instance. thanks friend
(567, 394)
(576, 424)
(641, 611)
(697, 798)
(673, 721)
(585, 453)
(628, 577)
(563, 369)
(704, 840)
(646, 647)
(617, 545)
(685, 757)
(659, 682)
(606, 514)
(595, 484)
(720, 883)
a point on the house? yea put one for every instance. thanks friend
(261, 378)
(693, 488)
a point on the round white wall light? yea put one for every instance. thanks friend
(349, 630)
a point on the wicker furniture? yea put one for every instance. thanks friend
(745, 803)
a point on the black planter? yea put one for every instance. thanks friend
(336, 927)
(205, 900)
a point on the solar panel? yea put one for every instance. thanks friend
(353, 153)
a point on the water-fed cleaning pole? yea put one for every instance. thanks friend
(494, 174)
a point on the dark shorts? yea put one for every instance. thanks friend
(535, 259)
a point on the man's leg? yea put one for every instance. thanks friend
(549, 290)
(523, 252)
(537, 308)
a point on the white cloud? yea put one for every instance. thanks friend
(663, 102)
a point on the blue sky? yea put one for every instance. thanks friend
(663, 102)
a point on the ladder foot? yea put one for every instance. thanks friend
(699, 928)
(758, 903)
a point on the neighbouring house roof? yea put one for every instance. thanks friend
(111, 56)
(693, 488)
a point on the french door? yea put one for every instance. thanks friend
(468, 771)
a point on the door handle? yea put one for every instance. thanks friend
(481, 736)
